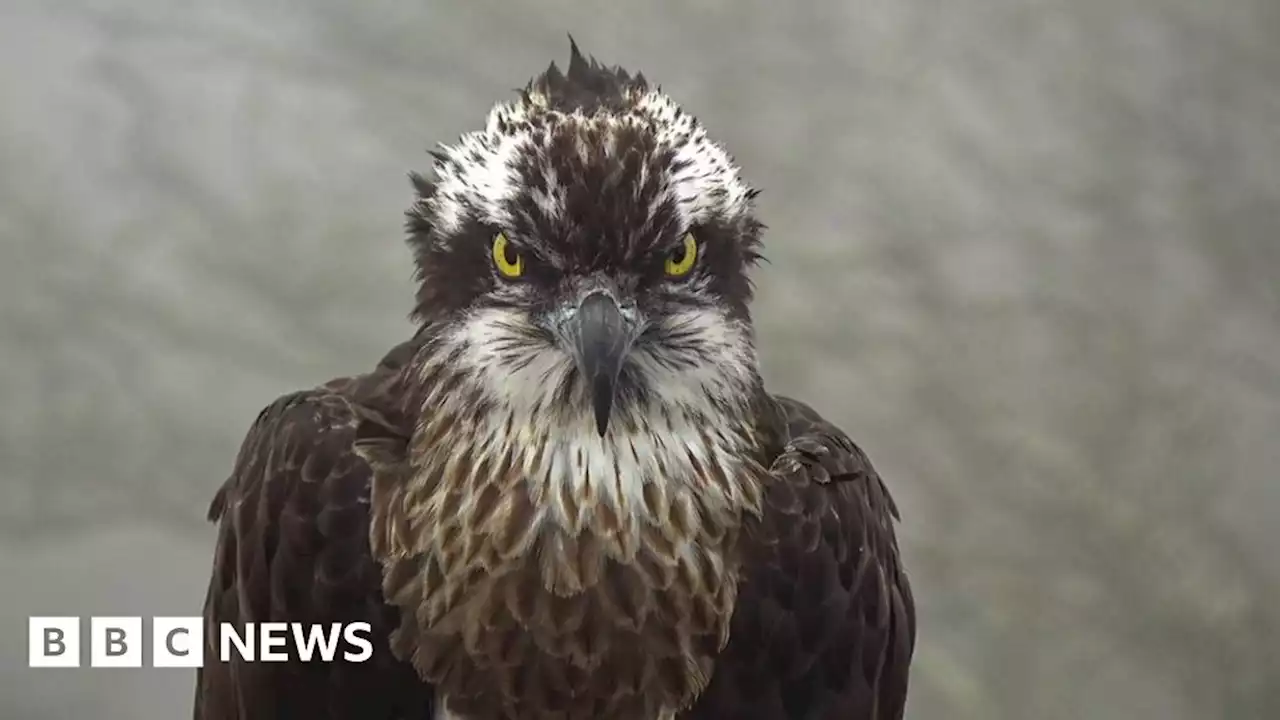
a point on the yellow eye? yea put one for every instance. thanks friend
(681, 260)
(506, 258)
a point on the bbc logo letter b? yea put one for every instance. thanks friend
(53, 642)
(115, 642)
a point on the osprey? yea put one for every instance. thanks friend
(569, 495)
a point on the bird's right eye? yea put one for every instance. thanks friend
(506, 258)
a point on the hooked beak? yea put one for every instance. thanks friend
(600, 336)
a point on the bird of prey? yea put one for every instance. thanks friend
(569, 495)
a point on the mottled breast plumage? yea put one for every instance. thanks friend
(537, 562)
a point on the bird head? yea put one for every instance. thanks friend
(586, 254)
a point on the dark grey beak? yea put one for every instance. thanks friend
(602, 336)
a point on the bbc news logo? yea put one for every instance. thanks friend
(178, 642)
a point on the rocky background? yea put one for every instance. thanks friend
(1026, 251)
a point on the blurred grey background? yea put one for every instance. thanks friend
(1026, 251)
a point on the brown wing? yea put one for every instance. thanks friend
(825, 623)
(293, 546)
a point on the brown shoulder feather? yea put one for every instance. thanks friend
(293, 546)
(825, 622)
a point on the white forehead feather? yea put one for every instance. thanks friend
(476, 176)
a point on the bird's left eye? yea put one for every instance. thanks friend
(681, 260)
(506, 258)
